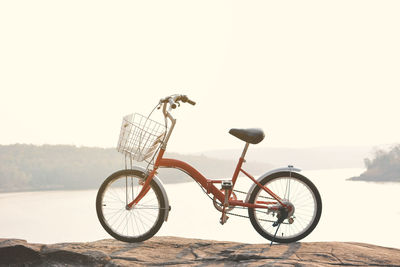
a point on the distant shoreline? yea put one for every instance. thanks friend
(31, 168)
(66, 189)
(378, 181)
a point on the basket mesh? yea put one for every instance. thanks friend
(140, 137)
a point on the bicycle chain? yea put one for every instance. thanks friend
(247, 217)
(234, 214)
(238, 215)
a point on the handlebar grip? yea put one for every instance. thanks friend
(185, 99)
(191, 102)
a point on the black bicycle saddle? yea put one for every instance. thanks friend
(252, 135)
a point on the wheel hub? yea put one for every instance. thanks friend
(285, 213)
(289, 207)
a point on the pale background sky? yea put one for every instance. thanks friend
(310, 73)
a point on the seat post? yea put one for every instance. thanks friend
(239, 166)
(245, 150)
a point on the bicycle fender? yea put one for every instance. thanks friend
(161, 185)
(284, 169)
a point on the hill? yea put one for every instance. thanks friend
(311, 158)
(51, 167)
(384, 167)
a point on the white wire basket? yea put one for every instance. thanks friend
(140, 136)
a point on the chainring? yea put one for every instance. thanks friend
(218, 205)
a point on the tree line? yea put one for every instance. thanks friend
(383, 167)
(65, 167)
(29, 167)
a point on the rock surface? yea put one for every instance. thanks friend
(161, 251)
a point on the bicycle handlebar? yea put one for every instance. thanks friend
(185, 99)
(174, 100)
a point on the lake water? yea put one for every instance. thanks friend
(352, 211)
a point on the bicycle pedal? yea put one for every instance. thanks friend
(227, 185)
(223, 219)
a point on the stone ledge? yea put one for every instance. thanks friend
(162, 251)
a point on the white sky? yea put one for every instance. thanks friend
(310, 73)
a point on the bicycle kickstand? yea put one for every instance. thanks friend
(273, 239)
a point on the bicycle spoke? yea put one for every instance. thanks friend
(129, 222)
(299, 195)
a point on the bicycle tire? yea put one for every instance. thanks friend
(305, 192)
(137, 224)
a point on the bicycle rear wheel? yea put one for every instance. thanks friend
(293, 188)
(130, 225)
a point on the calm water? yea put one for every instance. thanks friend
(352, 211)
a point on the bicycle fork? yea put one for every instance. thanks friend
(143, 192)
(148, 178)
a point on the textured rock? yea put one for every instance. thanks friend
(160, 251)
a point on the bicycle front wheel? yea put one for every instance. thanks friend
(292, 188)
(130, 225)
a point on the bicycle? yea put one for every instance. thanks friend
(132, 204)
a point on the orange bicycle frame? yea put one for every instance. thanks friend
(207, 184)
